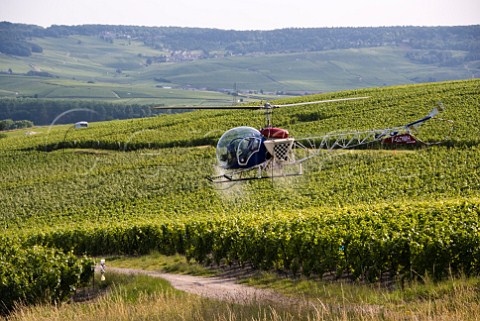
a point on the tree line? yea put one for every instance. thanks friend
(15, 38)
(44, 111)
(9, 124)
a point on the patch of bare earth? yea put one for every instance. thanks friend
(220, 288)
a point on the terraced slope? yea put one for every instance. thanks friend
(138, 185)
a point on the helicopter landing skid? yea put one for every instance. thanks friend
(231, 179)
(262, 172)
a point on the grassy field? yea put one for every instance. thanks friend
(317, 71)
(76, 60)
(147, 298)
(67, 89)
(136, 186)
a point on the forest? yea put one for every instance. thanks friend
(14, 39)
(43, 111)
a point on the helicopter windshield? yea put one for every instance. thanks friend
(237, 146)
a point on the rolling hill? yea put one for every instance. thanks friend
(138, 185)
(133, 186)
(79, 59)
(123, 64)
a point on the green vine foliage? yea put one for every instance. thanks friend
(38, 274)
(133, 186)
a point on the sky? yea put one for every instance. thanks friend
(243, 14)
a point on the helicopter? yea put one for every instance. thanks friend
(246, 153)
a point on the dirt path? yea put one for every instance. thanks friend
(226, 289)
(219, 288)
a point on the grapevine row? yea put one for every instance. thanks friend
(362, 243)
(38, 274)
(138, 185)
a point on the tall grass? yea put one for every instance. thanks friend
(144, 298)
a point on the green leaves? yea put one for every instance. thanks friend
(38, 274)
(135, 186)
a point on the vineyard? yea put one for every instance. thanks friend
(133, 186)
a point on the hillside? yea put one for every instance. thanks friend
(213, 42)
(133, 186)
(143, 66)
(181, 135)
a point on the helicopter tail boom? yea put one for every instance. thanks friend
(432, 114)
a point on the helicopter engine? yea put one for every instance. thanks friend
(273, 132)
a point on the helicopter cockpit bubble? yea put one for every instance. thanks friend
(238, 146)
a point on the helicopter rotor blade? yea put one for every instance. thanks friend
(320, 102)
(209, 107)
(264, 106)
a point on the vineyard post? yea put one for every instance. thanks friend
(102, 269)
(93, 279)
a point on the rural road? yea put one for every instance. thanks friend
(219, 288)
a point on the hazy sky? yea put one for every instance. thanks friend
(243, 14)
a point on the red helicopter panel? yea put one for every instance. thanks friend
(274, 132)
(402, 139)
